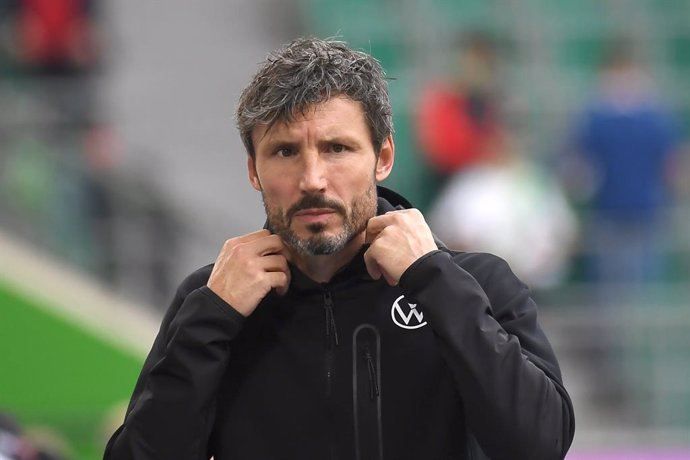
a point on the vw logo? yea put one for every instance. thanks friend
(406, 315)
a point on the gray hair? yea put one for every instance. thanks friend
(311, 71)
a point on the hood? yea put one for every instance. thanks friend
(388, 200)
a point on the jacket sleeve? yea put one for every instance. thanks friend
(503, 366)
(172, 408)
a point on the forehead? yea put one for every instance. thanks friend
(338, 115)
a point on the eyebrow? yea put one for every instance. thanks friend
(274, 141)
(341, 139)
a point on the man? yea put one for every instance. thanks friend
(343, 330)
(626, 144)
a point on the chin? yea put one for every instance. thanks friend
(316, 229)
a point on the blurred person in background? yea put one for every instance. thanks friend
(624, 152)
(54, 37)
(505, 204)
(62, 184)
(16, 443)
(485, 181)
(12, 444)
(622, 164)
(344, 328)
(46, 171)
(457, 115)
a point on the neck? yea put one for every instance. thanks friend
(322, 268)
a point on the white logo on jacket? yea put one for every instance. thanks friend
(403, 312)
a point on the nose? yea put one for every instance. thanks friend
(313, 175)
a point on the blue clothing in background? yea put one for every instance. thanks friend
(628, 151)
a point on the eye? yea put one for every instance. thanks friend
(338, 148)
(285, 152)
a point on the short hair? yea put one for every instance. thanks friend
(310, 71)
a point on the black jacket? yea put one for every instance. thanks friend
(450, 359)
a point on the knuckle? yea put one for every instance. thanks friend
(240, 251)
(388, 231)
(249, 265)
(231, 245)
(232, 241)
(258, 278)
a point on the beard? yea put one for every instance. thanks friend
(355, 219)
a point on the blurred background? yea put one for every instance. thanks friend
(551, 132)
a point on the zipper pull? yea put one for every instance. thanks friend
(373, 381)
(330, 319)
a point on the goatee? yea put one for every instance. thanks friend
(362, 208)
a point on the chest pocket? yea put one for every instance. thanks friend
(366, 392)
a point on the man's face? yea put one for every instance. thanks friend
(317, 176)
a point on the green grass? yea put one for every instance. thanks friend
(57, 375)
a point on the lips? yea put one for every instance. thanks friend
(314, 214)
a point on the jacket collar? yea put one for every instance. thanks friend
(387, 200)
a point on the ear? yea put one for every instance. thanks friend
(253, 175)
(384, 163)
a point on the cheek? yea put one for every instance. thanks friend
(278, 193)
(363, 186)
(354, 181)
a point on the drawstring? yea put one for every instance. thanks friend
(373, 381)
(330, 319)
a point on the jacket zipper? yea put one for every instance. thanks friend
(331, 338)
(331, 329)
(331, 342)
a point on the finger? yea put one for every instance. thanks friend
(277, 263)
(274, 263)
(280, 281)
(374, 227)
(243, 239)
(259, 244)
(377, 224)
(251, 236)
(268, 244)
(390, 280)
(373, 267)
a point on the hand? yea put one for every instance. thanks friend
(247, 268)
(398, 239)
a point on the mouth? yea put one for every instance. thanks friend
(311, 215)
